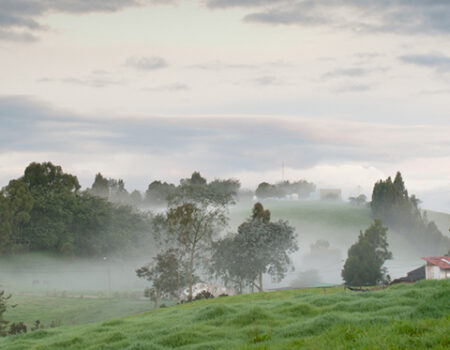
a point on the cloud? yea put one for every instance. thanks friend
(400, 16)
(146, 63)
(347, 72)
(175, 87)
(353, 88)
(268, 80)
(219, 65)
(97, 79)
(172, 147)
(439, 62)
(19, 19)
(238, 3)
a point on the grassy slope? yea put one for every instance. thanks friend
(70, 311)
(401, 317)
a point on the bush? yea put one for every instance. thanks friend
(17, 328)
(204, 295)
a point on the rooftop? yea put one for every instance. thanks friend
(442, 261)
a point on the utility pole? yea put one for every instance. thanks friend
(282, 172)
(109, 276)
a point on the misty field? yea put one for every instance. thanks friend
(400, 317)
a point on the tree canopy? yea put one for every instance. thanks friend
(260, 246)
(45, 211)
(301, 188)
(400, 211)
(167, 273)
(364, 265)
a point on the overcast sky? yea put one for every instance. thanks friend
(344, 92)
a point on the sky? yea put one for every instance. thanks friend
(342, 92)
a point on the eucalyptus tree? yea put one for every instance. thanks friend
(260, 246)
(196, 214)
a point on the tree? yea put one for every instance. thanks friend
(45, 211)
(392, 204)
(265, 190)
(364, 265)
(259, 247)
(3, 307)
(196, 214)
(16, 203)
(194, 227)
(100, 187)
(47, 175)
(158, 192)
(167, 274)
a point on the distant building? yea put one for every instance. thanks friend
(412, 276)
(331, 194)
(437, 267)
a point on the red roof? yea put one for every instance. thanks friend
(442, 261)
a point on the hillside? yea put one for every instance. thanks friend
(338, 223)
(400, 317)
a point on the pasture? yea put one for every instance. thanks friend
(400, 317)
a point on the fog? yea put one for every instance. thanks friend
(325, 231)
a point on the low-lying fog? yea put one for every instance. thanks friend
(323, 238)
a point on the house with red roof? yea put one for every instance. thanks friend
(437, 267)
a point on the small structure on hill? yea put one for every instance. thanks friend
(330, 194)
(412, 276)
(437, 267)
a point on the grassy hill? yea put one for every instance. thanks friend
(400, 317)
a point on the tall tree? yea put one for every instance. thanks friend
(392, 204)
(260, 246)
(16, 203)
(364, 265)
(100, 187)
(196, 213)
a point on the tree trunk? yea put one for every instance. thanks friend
(260, 282)
(191, 273)
(158, 294)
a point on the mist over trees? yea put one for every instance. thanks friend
(260, 246)
(196, 214)
(301, 189)
(44, 210)
(395, 207)
(364, 264)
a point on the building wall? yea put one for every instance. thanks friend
(433, 272)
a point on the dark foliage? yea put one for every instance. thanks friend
(17, 328)
(204, 294)
(259, 247)
(44, 211)
(301, 188)
(364, 265)
(392, 204)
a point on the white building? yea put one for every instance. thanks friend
(437, 268)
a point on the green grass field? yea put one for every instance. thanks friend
(400, 317)
(71, 310)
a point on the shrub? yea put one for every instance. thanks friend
(17, 328)
(204, 295)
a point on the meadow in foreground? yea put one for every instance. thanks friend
(400, 317)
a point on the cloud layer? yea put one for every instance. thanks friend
(234, 146)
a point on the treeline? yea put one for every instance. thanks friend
(44, 210)
(158, 193)
(299, 189)
(392, 204)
